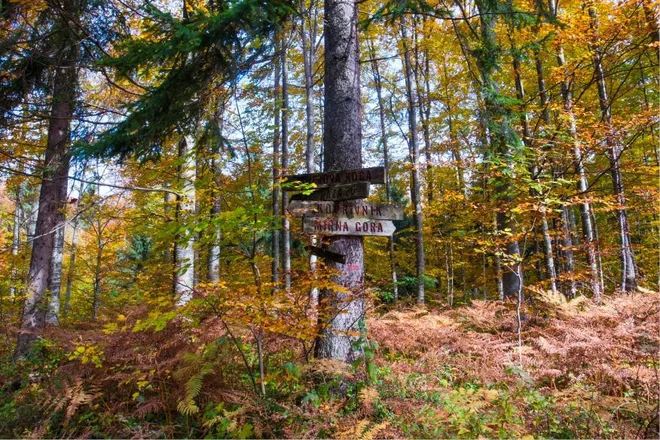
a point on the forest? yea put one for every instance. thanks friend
(329, 219)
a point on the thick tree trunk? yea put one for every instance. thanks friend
(55, 174)
(184, 281)
(342, 141)
(386, 160)
(614, 152)
(415, 177)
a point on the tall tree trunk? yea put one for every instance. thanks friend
(71, 271)
(501, 140)
(568, 246)
(527, 140)
(308, 34)
(413, 148)
(342, 140)
(96, 303)
(585, 207)
(184, 279)
(213, 267)
(386, 159)
(56, 171)
(614, 152)
(423, 86)
(277, 127)
(16, 239)
(286, 227)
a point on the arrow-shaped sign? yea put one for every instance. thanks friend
(347, 226)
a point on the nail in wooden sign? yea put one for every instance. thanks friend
(353, 191)
(326, 254)
(375, 211)
(347, 226)
(372, 175)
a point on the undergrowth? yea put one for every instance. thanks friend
(587, 371)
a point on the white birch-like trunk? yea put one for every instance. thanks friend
(184, 282)
(413, 147)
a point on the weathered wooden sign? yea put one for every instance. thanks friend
(347, 226)
(326, 254)
(372, 175)
(376, 211)
(353, 191)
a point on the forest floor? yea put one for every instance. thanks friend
(574, 370)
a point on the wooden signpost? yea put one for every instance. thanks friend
(375, 211)
(354, 191)
(347, 226)
(372, 175)
(325, 212)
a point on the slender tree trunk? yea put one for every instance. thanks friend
(527, 140)
(286, 227)
(55, 280)
(72, 270)
(213, 265)
(308, 34)
(386, 160)
(277, 115)
(184, 281)
(413, 147)
(342, 142)
(585, 207)
(568, 246)
(16, 240)
(56, 171)
(96, 304)
(614, 152)
(424, 104)
(501, 140)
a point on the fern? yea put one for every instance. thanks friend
(363, 430)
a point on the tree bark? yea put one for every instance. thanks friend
(614, 152)
(213, 268)
(286, 227)
(585, 207)
(71, 271)
(342, 141)
(386, 159)
(501, 138)
(308, 35)
(184, 281)
(16, 239)
(415, 177)
(277, 115)
(56, 171)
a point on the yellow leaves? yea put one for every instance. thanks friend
(87, 353)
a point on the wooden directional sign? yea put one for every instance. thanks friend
(353, 191)
(375, 211)
(347, 226)
(326, 254)
(343, 177)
